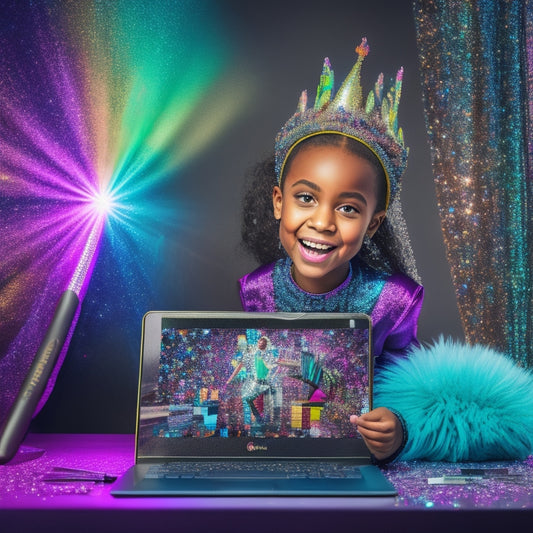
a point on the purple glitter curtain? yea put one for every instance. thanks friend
(476, 64)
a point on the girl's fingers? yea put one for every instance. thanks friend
(376, 436)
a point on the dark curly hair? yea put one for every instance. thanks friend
(260, 230)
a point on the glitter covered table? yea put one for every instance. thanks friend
(27, 503)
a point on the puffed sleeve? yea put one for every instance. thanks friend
(395, 324)
(395, 316)
(257, 291)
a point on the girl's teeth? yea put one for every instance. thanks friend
(316, 245)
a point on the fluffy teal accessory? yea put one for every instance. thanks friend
(460, 403)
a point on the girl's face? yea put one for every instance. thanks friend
(325, 209)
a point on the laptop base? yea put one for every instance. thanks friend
(372, 483)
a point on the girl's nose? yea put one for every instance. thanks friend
(322, 219)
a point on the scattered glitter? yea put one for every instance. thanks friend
(114, 454)
(411, 482)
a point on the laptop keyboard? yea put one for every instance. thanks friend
(253, 469)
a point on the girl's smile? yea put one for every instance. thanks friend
(326, 207)
(315, 251)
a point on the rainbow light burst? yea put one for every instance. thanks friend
(101, 105)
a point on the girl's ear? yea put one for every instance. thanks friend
(375, 223)
(277, 202)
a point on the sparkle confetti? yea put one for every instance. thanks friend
(102, 104)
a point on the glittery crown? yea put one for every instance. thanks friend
(374, 122)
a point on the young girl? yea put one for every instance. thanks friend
(324, 218)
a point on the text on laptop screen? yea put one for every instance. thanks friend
(227, 383)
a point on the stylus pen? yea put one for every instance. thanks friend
(18, 419)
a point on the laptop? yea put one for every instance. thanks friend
(253, 404)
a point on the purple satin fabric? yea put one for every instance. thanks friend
(394, 317)
(257, 290)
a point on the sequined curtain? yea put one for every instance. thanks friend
(476, 61)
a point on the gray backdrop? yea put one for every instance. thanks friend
(278, 48)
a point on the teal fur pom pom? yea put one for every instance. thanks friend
(460, 403)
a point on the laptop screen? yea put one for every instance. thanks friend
(245, 384)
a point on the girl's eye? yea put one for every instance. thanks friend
(305, 198)
(348, 209)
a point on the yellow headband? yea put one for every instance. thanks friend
(387, 179)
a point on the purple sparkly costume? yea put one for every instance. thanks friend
(392, 301)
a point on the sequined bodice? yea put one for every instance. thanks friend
(358, 293)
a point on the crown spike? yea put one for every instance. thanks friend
(350, 95)
(370, 103)
(389, 107)
(378, 89)
(386, 110)
(400, 136)
(325, 86)
(398, 90)
(302, 103)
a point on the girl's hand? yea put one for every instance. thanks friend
(381, 431)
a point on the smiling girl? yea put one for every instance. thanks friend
(329, 206)
(324, 216)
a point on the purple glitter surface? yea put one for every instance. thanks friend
(22, 484)
(411, 481)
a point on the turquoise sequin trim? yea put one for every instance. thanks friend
(357, 294)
